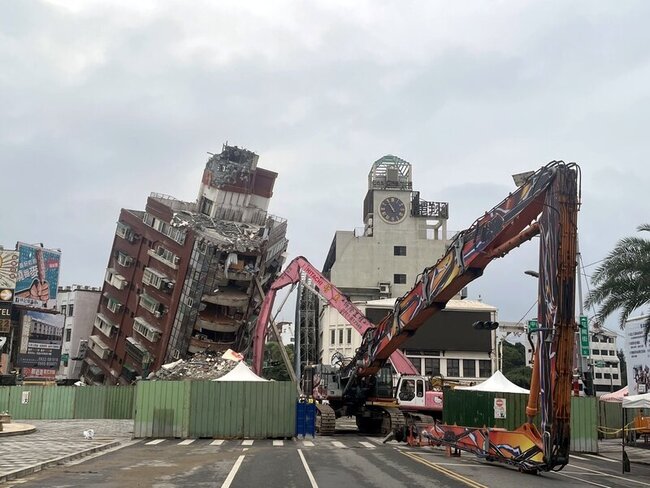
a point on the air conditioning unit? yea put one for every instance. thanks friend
(177, 259)
(384, 288)
(157, 314)
(170, 285)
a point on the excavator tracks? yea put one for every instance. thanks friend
(380, 420)
(325, 419)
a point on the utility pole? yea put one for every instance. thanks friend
(296, 333)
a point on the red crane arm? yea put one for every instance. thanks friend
(333, 296)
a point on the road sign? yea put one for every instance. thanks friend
(532, 325)
(584, 336)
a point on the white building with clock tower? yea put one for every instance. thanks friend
(402, 235)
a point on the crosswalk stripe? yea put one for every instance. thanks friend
(154, 442)
(308, 443)
(247, 442)
(278, 443)
(218, 442)
(339, 444)
(186, 442)
(573, 456)
(367, 444)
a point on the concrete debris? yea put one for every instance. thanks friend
(201, 366)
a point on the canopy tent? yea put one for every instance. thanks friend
(241, 372)
(616, 396)
(498, 383)
(637, 401)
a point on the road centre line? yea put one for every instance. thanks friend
(233, 472)
(312, 480)
(602, 458)
(446, 472)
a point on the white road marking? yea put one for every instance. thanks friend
(218, 442)
(308, 443)
(603, 458)
(339, 444)
(278, 443)
(153, 443)
(573, 456)
(312, 480)
(233, 472)
(247, 442)
(186, 442)
(367, 444)
(611, 475)
(583, 480)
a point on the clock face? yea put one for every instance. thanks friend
(392, 210)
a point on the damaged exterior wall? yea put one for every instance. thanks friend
(180, 275)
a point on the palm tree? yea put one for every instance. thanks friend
(622, 281)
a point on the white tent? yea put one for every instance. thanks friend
(498, 383)
(616, 396)
(637, 401)
(240, 373)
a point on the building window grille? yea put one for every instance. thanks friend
(453, 368)
(399, 250)
(68, 335)
(484, 368)
(146, 330)
(149, 303)
(206, 206)
(399, 279)
(153, 278)
(432, 366)
(469, 368)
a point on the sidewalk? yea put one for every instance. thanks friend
(58, 441)
(611, 448)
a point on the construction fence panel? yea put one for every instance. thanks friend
(58, 402)
(255, 410)
(162, 409)
(119, 402)
(26, 402)
(610, 420)
(4, 398)
(90, 402)
(584, 424)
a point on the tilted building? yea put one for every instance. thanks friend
(181, 276)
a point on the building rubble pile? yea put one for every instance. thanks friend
(202, 366)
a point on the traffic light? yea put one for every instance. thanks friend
(485, 325)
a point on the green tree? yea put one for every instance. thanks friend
(622, 281)
(274, 367)
(514, 364)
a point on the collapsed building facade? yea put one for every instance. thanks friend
(182, 277)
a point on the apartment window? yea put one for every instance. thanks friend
(332, 337)
(469, 368)
(123, 259)
(146, 330)
(340, 336)
(399, 279)
(595, 351)
(68, 335)
(484, 368)
(153, 278)
(125, 232)
(612, 353)
(70, 310)
(615, 376)
(113, 305)
(349, 336)
(149, 303)
(431, 366)
(63, 309)
(453, 367)
(599, 376)
(399, 250)
(206, 206)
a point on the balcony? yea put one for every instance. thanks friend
(98, 346)
(146, 330)
(227, 298)
(165, 257)
(216, 323)
(125, 232)
(104, 325)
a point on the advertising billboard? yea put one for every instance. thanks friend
(37, 279)
(637, 356)
(8, 269)
(40, 341)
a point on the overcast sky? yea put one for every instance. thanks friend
(105, 102)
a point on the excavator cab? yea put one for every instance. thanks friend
(384, 382)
